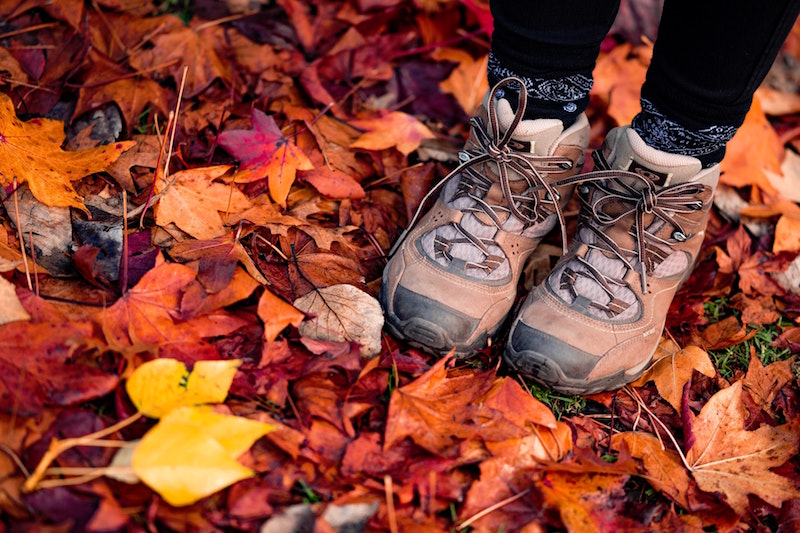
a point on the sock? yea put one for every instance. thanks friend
(564, 98)
(661, 133)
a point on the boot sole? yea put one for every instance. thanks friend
(426, 335)
(545, 371)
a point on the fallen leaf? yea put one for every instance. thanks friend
(184, 463)
(193, 200)
(672, 372)
(391, 129)
(343, 313)
(264, 152)
(333, 183)
(727, 459)
(787, 235)
(31, 153)
(753, 151)
(787, 180)
(11, 309)
(147, 312)
(763, 383)
(664, 469)
(618, 77)
(159, 386)
(468, 82)
(276, 315)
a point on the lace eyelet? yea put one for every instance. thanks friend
(583, 189)
(679, 236)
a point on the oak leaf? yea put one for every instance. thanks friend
(30, 152)
(193, 200)
(468, 82)
(37, 369)
(264, 152)
(726, 458)
(764, 382)
(672, 372)
(391, 129)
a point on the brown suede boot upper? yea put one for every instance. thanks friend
(453, 278)
(595, 322)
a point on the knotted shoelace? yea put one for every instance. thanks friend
(494, 148)
(632, 196)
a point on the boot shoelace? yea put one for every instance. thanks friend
(645, 200)
(494, 148)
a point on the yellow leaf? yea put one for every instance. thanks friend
(236, 434)
(184, 464)
(31, 152)
(161, 385)
(391, 129)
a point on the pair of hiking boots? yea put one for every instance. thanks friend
(594, 323)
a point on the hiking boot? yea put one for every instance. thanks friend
(453, 275)
(594, 323)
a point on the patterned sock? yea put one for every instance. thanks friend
(661, 133)
(563, 98)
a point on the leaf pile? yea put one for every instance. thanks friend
(176, 174)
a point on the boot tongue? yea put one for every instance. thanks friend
(531, 136)
(625, 150)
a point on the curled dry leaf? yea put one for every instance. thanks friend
(343, 313)
(726, 458)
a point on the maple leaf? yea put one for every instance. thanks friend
(31, 153)
(391, 129)
(726, 458)
(265, 152)
(193, 201)
(145, 313)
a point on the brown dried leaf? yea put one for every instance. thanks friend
(672, 372)
(727, 459)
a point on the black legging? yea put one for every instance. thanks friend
(708, 60)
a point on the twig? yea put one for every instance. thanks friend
(19, 233)
(466, 523)
(389, 491)
(14, 457)
(57, 447)
(37, 27)
(33, 260)
(123, 282)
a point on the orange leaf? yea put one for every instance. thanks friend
(467, 83)
(193, 201)
(391, 129)
(333, 183)
(145, 313)
(787, 235)
(672, 372)
(265, 153)
(276, 315)
(754, 149)
(618, 78)
(31, 152)
(665, 471)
